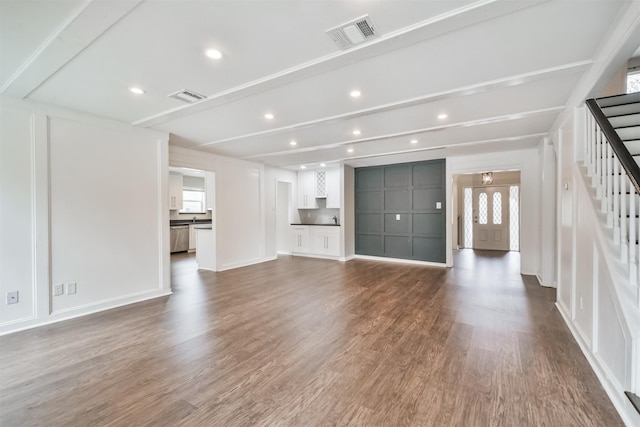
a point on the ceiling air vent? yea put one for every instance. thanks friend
(353, 32)
(187, 96)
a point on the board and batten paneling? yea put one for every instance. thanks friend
(400, 211)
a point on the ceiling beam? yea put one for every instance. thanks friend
(412, 132)
(456, 19)
(486, 86)
(90, 20)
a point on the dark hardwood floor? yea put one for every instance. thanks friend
(305, 342)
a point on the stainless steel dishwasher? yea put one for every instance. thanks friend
(179, 238)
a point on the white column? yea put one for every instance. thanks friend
(547, 266)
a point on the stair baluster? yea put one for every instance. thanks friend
(616, 201)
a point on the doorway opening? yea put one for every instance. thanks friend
(283, 217)
(489, 214)
(192, 215)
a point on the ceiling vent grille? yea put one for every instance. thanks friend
(187, 96)
(352, 33)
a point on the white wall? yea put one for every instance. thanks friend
(547, 211)
(244, 213)
(528, 163)
(591, 277)
(80, 203)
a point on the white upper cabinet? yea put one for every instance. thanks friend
(307, 190)
(175, 192)
(333, 193)
(319, 185)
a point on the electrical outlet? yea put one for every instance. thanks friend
(58, 289)
(12, 297)
(71, 288)
(397, 217)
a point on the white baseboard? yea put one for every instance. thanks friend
(83, 310)
(614, 390)
(315, 256)
(246, 263)
(546, 285)
(401, 261)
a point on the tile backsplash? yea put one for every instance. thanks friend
(318, 216)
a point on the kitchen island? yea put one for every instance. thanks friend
(205, 247)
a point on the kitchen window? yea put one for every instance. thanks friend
(193, 201)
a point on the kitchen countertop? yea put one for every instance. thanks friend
(204, 227)
(323, 225)
(188, 221)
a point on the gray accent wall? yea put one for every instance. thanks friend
(396, 212)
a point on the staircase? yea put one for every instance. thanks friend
(612, 160)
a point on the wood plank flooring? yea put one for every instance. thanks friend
(309, 342)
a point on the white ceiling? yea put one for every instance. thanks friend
(501, 70)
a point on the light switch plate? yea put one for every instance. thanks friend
(58, 289)
(71, 288)
(438, 205)
(397, 217)
(12, 297)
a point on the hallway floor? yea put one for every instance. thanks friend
(305, 342)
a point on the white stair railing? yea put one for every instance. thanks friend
(611, 169)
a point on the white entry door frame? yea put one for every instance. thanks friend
(491, 218)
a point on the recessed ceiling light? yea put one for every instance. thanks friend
(269, 116)
(414, 141)
(350, 150)
(356, 132)
(442, 116)
(323, 165)
(303, 167)
(213, 54)
(136, 90)
(293, 143)
(355, 93)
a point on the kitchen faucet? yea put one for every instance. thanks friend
(194, 218)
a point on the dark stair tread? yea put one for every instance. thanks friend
(622, 115)
(635, 400)
(627, 126)
(614, 100)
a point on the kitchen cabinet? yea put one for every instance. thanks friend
(326, 240)
(192, 237)
(315, 240)
(333, 192)
(175, 192)
(307, 190)
(300, 238)
(210, 190)
(321, 184)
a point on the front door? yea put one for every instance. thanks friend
(491, 218)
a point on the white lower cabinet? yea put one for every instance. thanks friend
(300, 238)
(326, 240)
(315, 240)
